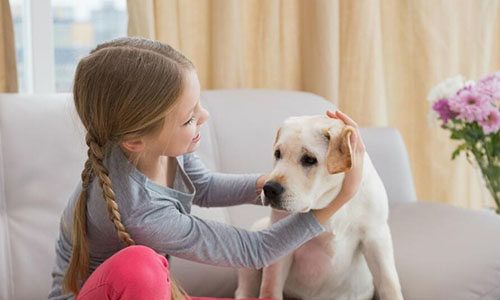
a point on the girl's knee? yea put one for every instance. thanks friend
(138, 263)
(138, 256)
(136, 272)
(139, 267)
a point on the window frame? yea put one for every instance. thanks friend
(38, 48)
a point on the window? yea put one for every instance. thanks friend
(17, 8)
(78, 27)
(50, 42)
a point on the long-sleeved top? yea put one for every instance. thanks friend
(159, 217)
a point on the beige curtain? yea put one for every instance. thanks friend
(8, 72)
(376, 60)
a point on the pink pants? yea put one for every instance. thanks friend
(136, 272)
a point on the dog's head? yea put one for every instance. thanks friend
(310, 155)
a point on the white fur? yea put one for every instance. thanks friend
(354, 256)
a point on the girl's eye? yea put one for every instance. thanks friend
(190, 121)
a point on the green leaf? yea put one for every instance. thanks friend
(456, 135)
(459, 149)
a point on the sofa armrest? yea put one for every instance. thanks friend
(446, 252)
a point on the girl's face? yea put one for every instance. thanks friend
(181, 131)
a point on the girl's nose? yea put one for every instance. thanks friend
(205, 115)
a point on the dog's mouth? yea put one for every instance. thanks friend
(280, 207)
(274, 203)
(284, 205)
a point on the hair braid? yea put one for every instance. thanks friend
(96, 155)
(79, 265)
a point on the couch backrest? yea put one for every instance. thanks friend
(42, 152)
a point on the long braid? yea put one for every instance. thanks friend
(96, 156)
(78, 268)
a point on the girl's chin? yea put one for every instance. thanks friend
(193, 147)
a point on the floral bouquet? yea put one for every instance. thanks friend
(471, 112)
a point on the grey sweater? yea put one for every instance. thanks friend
(159, 217)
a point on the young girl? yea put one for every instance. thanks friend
(139, 101)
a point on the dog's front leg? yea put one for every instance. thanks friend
(274, 276)
(248, 283)
(379, 254)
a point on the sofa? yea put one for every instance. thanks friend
(442, 252)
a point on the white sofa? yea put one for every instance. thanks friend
(442, 252)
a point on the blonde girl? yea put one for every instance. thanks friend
(139, 101)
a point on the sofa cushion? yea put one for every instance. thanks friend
(446, 252)
(43, 156)
(390, 158)
(5, 266)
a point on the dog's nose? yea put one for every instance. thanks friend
(273, 190)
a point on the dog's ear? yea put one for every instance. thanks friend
(339, 155)
(277, 136)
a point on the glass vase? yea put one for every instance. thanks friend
(489, 179)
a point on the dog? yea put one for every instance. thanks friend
(353, 258)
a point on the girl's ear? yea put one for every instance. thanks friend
(134, 145)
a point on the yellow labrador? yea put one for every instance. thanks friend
(354, 257)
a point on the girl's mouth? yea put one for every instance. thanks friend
(197, 138)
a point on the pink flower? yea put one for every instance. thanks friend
(489, 85)
(491, 123)
(470, 105)
(442, 107)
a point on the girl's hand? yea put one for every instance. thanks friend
(352, 179)
(260, 183)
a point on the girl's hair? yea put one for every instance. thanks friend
(124, 87)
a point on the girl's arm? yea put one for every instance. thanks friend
(219, 189)
(163, 227)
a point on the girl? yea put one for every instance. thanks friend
(139, 101)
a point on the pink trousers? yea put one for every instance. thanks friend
(136, 272)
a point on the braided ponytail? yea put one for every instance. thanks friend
(110, 110)
(80, 261)
(96, 156)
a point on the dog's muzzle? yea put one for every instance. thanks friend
(272, 191)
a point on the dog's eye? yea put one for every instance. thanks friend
(308, 160)
(277, 154)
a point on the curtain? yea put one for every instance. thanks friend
(376, 60)
(8, 72)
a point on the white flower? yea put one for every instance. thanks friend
(448, 88)
(432, 118)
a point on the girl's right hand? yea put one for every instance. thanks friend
(352, 179)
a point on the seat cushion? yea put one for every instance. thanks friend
(446, 252)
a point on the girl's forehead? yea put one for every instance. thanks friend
(190, 94)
